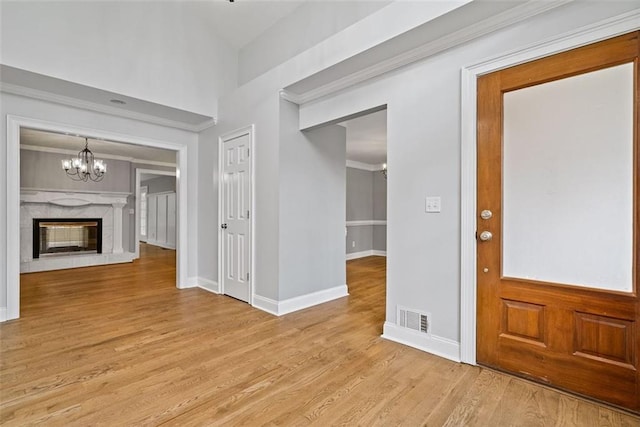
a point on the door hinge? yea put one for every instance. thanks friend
(247, 214)
(248, 152)
(247, 277)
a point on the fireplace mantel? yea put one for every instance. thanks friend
(41, 203)
(72, 198)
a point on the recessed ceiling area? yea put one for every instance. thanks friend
(74, 143)
(367, 138)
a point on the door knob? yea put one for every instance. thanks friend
(486, 214)
(223, 226)
(485, 236)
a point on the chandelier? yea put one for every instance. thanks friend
(85, 167)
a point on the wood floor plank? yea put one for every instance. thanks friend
(120, 345)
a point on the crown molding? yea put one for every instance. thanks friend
(104, 156)
(92, 106)
(501, 20)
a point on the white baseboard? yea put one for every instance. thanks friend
(208, 285)
(433, 344)
(192, 282)
(362, 254)
(160, 244)
(290, 305)
(265, 304)
(309, 300)
(3, 314)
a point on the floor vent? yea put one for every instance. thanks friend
(413, 319)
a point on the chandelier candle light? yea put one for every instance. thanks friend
(85, 167)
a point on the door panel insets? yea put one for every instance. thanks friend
(604, 337)
(523, 320)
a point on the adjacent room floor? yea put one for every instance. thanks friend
(120, 345)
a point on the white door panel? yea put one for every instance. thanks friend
(236, 231)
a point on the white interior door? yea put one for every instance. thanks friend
(235, 222)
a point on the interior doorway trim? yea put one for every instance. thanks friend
(139, 172)
(14, 123)
(217, 183)
(602, 30)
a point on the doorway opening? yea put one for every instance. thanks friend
(37, 181)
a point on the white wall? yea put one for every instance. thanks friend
(30, 108)
(312, 206)
(423, 100)
(307, 25)
(247, 107)
(163, 52)
(208, 204)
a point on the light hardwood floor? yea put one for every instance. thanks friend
(120, 345)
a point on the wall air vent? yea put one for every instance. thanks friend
(413, 319)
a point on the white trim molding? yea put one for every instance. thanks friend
(362, 254)
(279, 308)
(430, 343)
(471, 32)
(265, 304)
(359, 223)
(208, 285)
(105, 109)
(100, 155)
(72, 198)
(3, 314)
(602, 30)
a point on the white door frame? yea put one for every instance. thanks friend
(217, 182)
(139, 172)
(609, 28)
(14, 123)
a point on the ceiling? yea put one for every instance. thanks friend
(367, 138)
(74, 143)
(244, 20)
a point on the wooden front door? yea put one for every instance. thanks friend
(558, 217)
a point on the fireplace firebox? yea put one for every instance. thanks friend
(66, 236)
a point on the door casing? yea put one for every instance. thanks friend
(14, 123)
(250, 131)
(619, 25)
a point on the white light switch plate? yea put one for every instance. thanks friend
(433, 204)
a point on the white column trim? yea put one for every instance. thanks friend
(602, 30)
(117, 227)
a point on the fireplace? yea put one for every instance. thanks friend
(66, 236)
